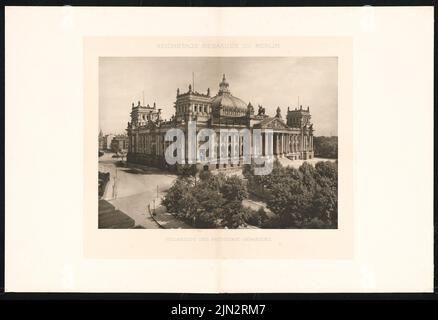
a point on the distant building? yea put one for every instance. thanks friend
(107, 141)
(119, 143)
(101, 140)
(293, 136)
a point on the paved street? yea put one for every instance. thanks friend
(130, 190)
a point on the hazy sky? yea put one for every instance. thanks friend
(271, 82)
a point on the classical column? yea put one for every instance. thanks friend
(263, 144)
(274, 142)
(140, 142)
(286, 140)
(292, 141)
(280, 138)
(287, 143)
(281, 144)
(136, 143)
(295, 143)
(159, 144)
(148, 143)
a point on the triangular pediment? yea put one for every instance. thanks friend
(273, 123)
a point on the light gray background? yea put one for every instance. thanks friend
(269, 81)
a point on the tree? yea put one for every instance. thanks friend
(247, 170)
(328, 169)
(205, 175)
(253, 217)
(325, 204)
(306, 197)
(299, 198)
(326, 147)
(172, 200)
(325, 201)
(209, 201)
(233, 214)
(307, 175)
(215, 181)
(234, 189)
(188, 206)
(189, 170)
(291, 202)
(216, 201)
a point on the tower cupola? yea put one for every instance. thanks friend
(224, 86)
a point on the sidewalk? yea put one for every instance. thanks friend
(165, 219)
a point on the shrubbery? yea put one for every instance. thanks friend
(255, 218)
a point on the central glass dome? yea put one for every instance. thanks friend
(226, 102)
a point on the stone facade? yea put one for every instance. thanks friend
(101, 140)
(120, 143)
(105, 141)
(293, 137)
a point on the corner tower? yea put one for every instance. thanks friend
(298, 118)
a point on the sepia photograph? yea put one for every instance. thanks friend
(218, 143)
(218, 151)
